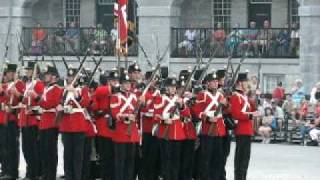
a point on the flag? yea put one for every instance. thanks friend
(123, 21)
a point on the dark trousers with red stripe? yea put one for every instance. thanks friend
(30, 149)
(106, 158)
(11, 149)
(48, 153)
(73, 154)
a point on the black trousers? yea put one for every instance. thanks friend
(48, 140)
(86, 166)
(211, 157)
(187, 159)
(73, 144)
(106, 157)
(11, 149)
(170, 159)
(124, 161)
(150, 157)
(226, 144)
(30, 149)
(138, 163)
(242, 157)
(2, 146)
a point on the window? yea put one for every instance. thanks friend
(294, 12)
(222, 13)
(270, 82)
(261, 1)
(72, 11)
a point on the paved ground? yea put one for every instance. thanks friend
(268, 162)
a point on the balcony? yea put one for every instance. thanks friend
(70, 42)
(254, 43)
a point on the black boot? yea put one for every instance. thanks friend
(313, 143)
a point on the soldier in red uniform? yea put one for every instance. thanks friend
(150, 143)
(124, 106)
(209, 109)
(14, 93)
(242, 111)
(29, 119)
(73, 125)
(169, 110)
(105, 123)
(48, 129)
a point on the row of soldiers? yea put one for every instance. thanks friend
(147, 127)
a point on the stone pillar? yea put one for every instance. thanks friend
(309, 12)
(14, 14)
(155, 20)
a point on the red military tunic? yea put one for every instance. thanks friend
(27, 118)
(162, 108)
(51, 98)
(147, 111)
(208, 103)
(188, 127)
(90, 126)
(3, 101)
(124, 103)
(13, 100)
(239, 105)
(75, 120)
(101, 102)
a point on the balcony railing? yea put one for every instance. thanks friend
(70, 42)
(254, 43)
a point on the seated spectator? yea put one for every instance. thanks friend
(39, 35)
(72, 39)
(297, 92)
(267, 103)
(282, 43)
(315, 94)
(315, 133)
(278, 94)
(278, 114)
(218, 39)
(100, 39)
(58, 38)
(304, 107)
(250, 40)
(306, 126)
(295, 40)
(288, 108)
(317, 109)
(265, 129)
(190, 40)
(265, 39)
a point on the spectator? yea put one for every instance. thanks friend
(233, 40)
(218, 39)
(282, 43)
(72, 38)
(317, 109)
(250, 41)
(265, 38)
(190, 40)
(298, 92)
(315, 94)
(265, 129)
(58, 38)
(267, 103)
(38, 37)
(100, 37)
(304, 107)
(278, 94)
(114, 36)
(295, 40)
(315, 133)
(278, 114)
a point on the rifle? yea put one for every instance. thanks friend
(91, 78)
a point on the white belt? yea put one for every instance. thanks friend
(69, 110)
(147, 114)
(35, 108)
(48, 110)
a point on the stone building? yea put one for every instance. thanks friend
(159, 19)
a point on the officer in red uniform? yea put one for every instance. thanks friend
(209, 109)
(124, 106)
(14, 93)
(188, 145)
(73, 125)
(48, 129)
(242, 111)
(29, 119)
(150, 143)
(169, 111)
(104, 122)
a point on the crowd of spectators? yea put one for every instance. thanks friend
(291, 112)
(265, 41)
(72, 40)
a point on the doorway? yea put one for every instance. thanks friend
(259, 12)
